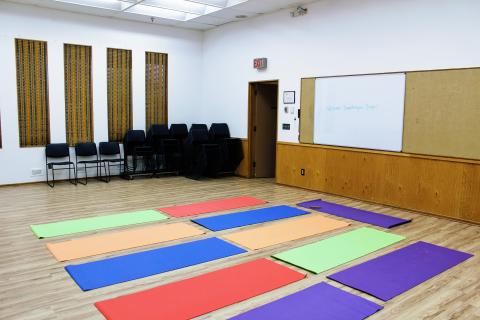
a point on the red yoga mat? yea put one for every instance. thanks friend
(196, 296)
(211, 206)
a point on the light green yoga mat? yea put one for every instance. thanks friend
(332, 252)
(95, 223)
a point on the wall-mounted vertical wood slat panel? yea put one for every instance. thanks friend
(119, 92)
(156, 107)
(78, 93)
(307, 101)
(32, 92)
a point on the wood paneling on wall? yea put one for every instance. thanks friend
(243, 169)
(440, 186)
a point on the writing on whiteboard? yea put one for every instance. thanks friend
(356, 107)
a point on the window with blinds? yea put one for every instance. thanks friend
(155, 88)
(78, 93)
(119, 92)
(32, 92)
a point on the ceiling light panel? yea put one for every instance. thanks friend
(216, 3)
(180, 10)
(161, 12)
(115, 5)
(182, 5)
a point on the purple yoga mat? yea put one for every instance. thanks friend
(376, 219)
(392, 274)
(321, 301)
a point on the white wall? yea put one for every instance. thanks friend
(17, 21)
(209, 73)
(336, 37)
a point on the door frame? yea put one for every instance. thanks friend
(251, 96)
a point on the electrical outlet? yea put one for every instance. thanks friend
(37, 172)
(302, 172)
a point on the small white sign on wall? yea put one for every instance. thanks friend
(289, 97)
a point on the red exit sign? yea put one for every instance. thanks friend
(260, 63)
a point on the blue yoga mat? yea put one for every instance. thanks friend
(245, 218)
(106, 272)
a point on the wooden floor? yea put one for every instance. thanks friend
(33, 285)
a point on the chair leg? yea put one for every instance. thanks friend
(104, 170)
(53, 176)
(74, 181)
(86, 174)
(74, 174)
(51, 185)
(80, 180)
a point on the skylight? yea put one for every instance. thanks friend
(181, 10)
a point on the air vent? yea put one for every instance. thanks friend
(37, 172)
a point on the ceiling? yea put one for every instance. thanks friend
(191, 14)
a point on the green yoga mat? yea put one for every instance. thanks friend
(332, 252)
(95, 223)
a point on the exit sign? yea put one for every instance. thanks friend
(260, 63)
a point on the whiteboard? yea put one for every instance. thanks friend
(360, 111)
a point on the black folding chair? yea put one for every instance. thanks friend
(179, 131)
(231, 148)
(58, 151)
(141, 155)
(113, 157)
(88, 150)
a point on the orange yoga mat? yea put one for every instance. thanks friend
(121, 240)
(211, 206)
(288, 230)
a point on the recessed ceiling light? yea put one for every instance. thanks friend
(241, 16)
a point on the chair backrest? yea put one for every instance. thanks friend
(178, 131)
(57, 150)
(219, 131)
(86, 149)
(158, 132)
(199, 126)
(134, 137)
(197, 136)
(109, 148)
